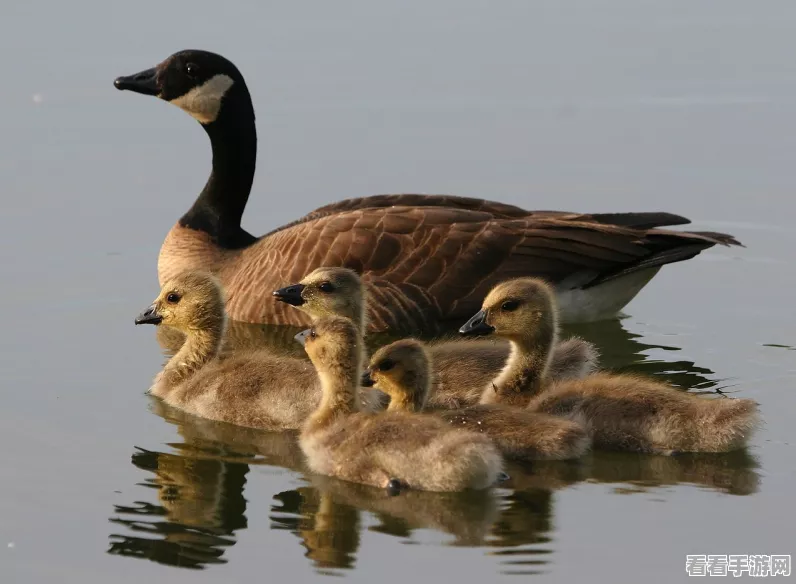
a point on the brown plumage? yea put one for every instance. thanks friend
(403, 370)
(625, 412)
(249, 388)
(462, 367)
(629, 412)
(390, 449)
(430, 258)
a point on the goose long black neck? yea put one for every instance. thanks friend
(219, 208)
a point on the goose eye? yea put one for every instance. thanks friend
(510, 305)
(173, 298)
(386, 365)
(191, 69)
(326, 287)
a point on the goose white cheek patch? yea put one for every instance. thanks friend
(204, 102)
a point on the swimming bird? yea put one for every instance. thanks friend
(431, 258)
(403, 371)
(393, 450)
(248, 388)
(624, 412)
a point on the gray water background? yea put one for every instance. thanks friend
(683, 106)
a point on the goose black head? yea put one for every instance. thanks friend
(198, 82)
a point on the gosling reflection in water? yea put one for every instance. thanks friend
(201, 506)
(201, 502)
(207, 438)
(326, 517)
(329, 531)
(733, 473)
(199, 490)
(466, 516)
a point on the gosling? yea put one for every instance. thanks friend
(392, 450)
(402, 370)
(625, 412)
(461, 367)
(249, 388)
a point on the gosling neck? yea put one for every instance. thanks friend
(409, 395)
(201, 346)
(354, 310)
(233, 137)
(359, 314)
(339, 384)
(525, 372)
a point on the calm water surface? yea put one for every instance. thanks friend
(621, 105)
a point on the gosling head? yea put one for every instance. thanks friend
(327, 292)
(198, 82)
(191, 301)
(333, 346)
(401, 370)
(518, 310)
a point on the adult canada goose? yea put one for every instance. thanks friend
(403, 371)
(430, 258)
(625, 412)
(249, 388)
(462, 367)
(393, 450)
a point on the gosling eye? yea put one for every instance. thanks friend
(326, 287)
(313, 334)
(191, 69)
(510, 305)
(386, 365)
(173, 298)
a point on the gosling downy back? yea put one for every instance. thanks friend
(626, 412)
(630, 412)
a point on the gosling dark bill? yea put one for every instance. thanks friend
(476, 326)
(149, 316)
(366, 380)
(290, 294)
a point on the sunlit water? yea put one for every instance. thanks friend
(622, 105)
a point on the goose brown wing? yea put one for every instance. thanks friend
(429, 264)
(498, 210)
